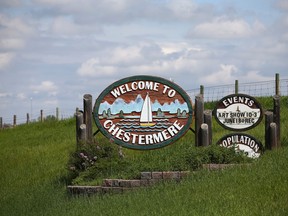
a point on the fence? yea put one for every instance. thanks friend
(210, 94)
(255, 89)
(42, 115)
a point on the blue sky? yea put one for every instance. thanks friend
(54, 51)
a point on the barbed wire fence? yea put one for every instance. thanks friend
(254, 89)
(210, 94)
(36, 116)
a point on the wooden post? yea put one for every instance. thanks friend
(202, 90)
(82, 133)
(1, 122)
(268, 121)
(204, 135)
(14, 121)
(273, 135)
(41, 116)
(236, 87)
(276, 117)
(79, 122)
(57, 113)
(27, 118)
(87, 100)
(199, 118)
(208, 121)
(277, 84)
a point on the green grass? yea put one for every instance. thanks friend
(33, 177)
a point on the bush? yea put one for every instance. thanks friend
(214, 154)
(92, 163)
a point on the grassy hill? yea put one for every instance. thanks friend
(33, 177)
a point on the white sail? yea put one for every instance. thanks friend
(146, 112)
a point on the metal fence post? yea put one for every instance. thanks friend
(14, 121)
(202, 90)
(236, 87)
(57, 113)
(277, 84)
(27, 118)
(41, 116)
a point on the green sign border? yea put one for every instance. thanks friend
(143, 78)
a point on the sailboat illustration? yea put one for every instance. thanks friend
(146, 113)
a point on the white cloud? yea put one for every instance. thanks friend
(282, 5)
(124, 56)
(65, 25)
(14, 27)
(254, 76)
(123, 11)
(50, 103)
(183, 8)
(143, 58)
(5, 94)
(21, 96)
(93, 68)
(224, 28)
(5, 59)
(45, 86)
(13, 34)
(226, 75)
(11, 43)
(10, 3)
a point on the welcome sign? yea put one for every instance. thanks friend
(143, 112)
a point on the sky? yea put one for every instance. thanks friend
(52, 52)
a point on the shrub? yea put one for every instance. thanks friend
(92, 163)
(214, 154)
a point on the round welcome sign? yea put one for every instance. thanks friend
(143, 112)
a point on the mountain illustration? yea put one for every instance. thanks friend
(136, 105)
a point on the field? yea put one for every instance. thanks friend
(34, 160)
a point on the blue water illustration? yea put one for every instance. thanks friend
(134, 125)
